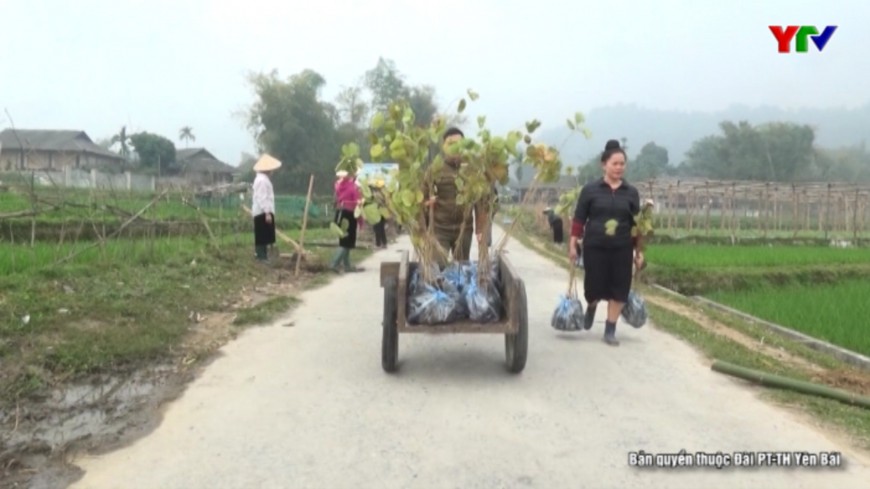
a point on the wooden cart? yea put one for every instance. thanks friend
(514, 325)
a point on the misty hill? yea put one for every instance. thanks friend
(677, 130)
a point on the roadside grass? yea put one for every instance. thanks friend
(265, 311)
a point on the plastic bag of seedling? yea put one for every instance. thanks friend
(430, 305)
(460, 306)
(455, 275)
(436, 304)
(634, 312)
(568, 315)
(484, 302)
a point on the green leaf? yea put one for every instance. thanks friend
(498, 144)
(437, 164)
(420, 196)
(408, 197)
(378, 121)
(366, 190)
(481, 121)
(397, 144)
(461, 106)
(587, 133)
(337, 231)
(528, 140)
(377, 151)
(513, 140)
(350, 150)
(357, 212)
(578, 118)
(385, 213)
(571, 125)
(532, 126)
(473, 95)
(408, 116)
(371, 213)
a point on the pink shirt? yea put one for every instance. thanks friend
(347, 194)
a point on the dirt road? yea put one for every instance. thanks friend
(309, 407)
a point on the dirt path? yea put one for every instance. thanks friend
(309, 406)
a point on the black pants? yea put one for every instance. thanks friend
(264, 235)
(380, 233)
(349, 240)
(558, 235)
(607, 273)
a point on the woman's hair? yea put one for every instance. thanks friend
(611, 148)
(452, 132)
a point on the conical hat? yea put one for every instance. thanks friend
(267, 163)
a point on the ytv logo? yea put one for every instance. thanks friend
(802, 33)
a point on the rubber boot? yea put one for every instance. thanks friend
(346, 261)
(610, 334)
(261, 252)
(337, 259)
(589, 318)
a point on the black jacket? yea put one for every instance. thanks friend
(607, 215)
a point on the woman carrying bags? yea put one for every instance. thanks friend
(603, 220)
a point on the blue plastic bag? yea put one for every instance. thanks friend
(634, 312)
(568, 315)
(432, 305)
(484, 303)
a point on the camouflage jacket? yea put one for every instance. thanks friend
(448, 214)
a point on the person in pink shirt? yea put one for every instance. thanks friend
(347, 197)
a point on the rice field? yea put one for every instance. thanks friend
(838, 313)
(722, 256)
(771, 282)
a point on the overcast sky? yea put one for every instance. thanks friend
(158, 65)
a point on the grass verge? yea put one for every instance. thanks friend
(264, 311)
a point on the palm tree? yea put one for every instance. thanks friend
(122, 139)
(186, 134)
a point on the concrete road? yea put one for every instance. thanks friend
(310, 407)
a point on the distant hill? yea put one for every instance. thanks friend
(676, 130)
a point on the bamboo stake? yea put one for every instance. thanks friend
(772, 380)
(708, 204)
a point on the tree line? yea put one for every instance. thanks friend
(291, 121)
(148, 151)
(775, 151)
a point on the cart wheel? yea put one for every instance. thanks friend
(517, 345)
(390, 344)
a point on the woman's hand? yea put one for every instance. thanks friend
(268, 218)
(639, 261)
(572, 251)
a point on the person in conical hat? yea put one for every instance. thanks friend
(263, 205)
